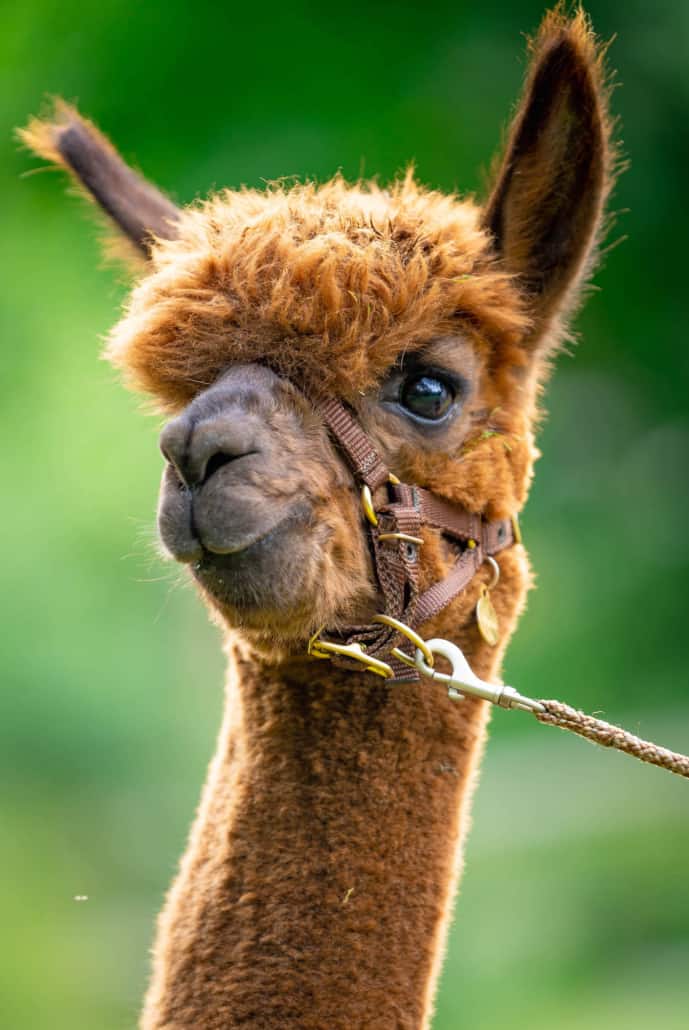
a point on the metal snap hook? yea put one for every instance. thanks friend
(463, 680)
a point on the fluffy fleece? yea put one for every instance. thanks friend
(327, 284)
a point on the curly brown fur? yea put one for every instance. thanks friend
(326, 283)
(319, 877)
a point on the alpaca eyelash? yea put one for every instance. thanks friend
(457, 383)
(414, 363)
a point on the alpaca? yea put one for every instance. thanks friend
(319, 877)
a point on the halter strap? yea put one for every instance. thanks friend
(394, 529)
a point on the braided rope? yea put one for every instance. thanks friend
(603, 733)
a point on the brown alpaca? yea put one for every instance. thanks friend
(321, 869)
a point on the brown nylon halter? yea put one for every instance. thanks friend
(394, 543)
(394, 537)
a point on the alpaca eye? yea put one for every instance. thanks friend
(427, 396)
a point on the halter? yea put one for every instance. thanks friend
(387, 645)
(391, 646)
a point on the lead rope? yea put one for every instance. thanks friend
(463, 681)
(604, 733)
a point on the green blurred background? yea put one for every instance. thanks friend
(574, 910)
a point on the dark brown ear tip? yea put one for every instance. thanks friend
(563, 47)
(82, 148)
(568, 40)
(568, 62)
(568, 45)
(42, 133)
(138, 209)
(69, 140)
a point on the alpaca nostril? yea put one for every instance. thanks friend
(198, 448)
(218, 461)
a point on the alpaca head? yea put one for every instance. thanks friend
(432, 318)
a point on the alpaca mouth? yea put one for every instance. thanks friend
(267, 572)
(214, 551)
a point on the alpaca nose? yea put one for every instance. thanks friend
(198, 449)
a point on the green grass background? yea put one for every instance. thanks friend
(574, 909)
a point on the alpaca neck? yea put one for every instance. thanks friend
(321, 869)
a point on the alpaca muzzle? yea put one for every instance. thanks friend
(224, 510)
(212, 490)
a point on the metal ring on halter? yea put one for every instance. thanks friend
(496, 572)
(367, 499)
(318, 648)
(367, 504)
(401, 536)
(406, 631)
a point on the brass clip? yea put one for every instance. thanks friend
(367, 504)
(318, 648)
(406, 537)
(367, 499)
(411, 635)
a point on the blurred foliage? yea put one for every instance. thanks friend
(574, 906)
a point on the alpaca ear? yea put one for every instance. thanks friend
(546, 207)
(137, 208)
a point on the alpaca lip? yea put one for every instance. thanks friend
(217, 551)
(296, 517)
(253, 575)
